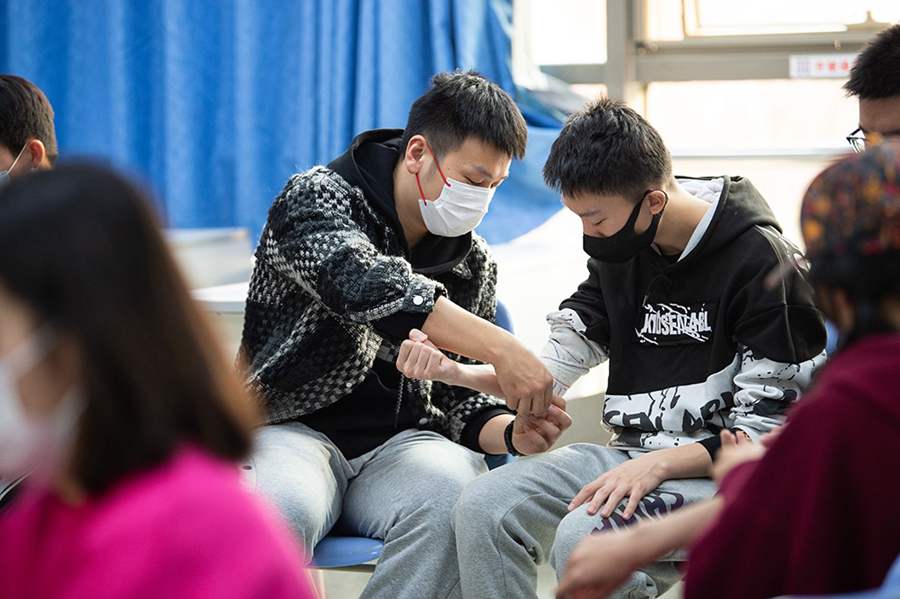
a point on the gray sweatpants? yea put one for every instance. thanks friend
(402, 492)
(515, 517)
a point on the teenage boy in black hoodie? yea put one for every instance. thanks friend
(696, 342)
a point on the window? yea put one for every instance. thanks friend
(768, 116)
(562, 31)
(678, 19)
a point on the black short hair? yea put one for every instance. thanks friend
(25, 113)
(462, 104)
(876, 73)
(607, 148)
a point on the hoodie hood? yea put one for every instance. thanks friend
(369, 164)
(739, 207)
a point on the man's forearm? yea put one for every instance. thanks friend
(481, 377)
(527, 386)
(453, 329)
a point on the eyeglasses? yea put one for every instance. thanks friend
(859, 140)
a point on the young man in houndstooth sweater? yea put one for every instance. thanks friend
(354, 257)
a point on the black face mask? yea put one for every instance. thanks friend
(624, 244)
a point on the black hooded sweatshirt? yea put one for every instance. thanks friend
(709, 340)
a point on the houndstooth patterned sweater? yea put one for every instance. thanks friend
(328, 265)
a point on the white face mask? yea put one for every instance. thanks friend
(4, 175)
(28, 444)
(458, 210)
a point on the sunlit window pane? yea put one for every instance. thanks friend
(565, 31)
(740, 17)
(589, 91)
(742, 116)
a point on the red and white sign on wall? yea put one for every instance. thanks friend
(816, 66)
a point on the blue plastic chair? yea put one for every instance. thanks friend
(347, 553)
(504, 319)
(890, 589)
(831, 338)
(359, 553)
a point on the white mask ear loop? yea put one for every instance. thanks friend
(440, 172)
(5, 174)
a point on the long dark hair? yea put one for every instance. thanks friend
(82, 248)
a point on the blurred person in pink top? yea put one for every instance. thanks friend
(114, 396)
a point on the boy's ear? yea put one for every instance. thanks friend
(657, 201)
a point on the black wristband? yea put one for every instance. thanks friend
(507, 438)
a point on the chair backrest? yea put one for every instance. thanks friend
(504, 319)
(831, 338)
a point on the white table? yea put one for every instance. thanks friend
(224, 299)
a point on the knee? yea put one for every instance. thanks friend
(306, 514)
(428, 509)
(573, 529)
(478, 507)
(439, 496)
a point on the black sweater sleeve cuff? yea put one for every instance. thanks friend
(472, 430)
(398, 325)
(712, 445)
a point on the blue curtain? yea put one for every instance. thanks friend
(215, 103)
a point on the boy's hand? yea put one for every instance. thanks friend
(420, 359)
(633, 479)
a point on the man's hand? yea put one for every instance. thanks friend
(525, 382)
(600, 564)
(633, 479)
(536, 434)
(420, 359)
(521, 378)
